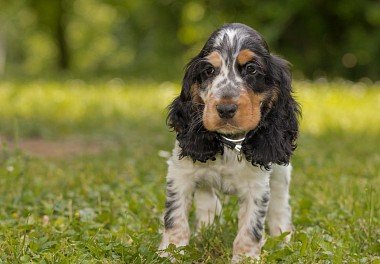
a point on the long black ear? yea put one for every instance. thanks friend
(273, 141)
(185, 117)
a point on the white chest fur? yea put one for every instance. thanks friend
(226, 173)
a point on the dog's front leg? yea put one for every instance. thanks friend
(254, 196)
(279, 212)
(179, 190)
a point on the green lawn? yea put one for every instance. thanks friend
(87, 183)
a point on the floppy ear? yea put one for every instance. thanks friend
(273, 141)
(185, 117)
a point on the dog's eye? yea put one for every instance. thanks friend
(208, 72)
(250, 68)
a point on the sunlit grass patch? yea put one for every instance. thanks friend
(338, 106)
(106, 205)
(45, 109)
(51, 109)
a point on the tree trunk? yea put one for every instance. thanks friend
(63, 48)
(2, 53)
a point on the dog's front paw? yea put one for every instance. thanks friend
(239, 258)
(168, 255)
(174, 237)
(279, 230)
(171, 253)
(247, 248)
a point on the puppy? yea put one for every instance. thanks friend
(236, 124)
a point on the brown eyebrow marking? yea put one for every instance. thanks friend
(194, 90)
(215, 59)
(245, 56)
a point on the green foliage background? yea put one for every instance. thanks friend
(80, 175)
(154, 39)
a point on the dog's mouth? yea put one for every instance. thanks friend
(231, 131)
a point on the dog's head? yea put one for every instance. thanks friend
(236, 87)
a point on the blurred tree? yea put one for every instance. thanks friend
(2, 53)
(154, 39)
(52, 18)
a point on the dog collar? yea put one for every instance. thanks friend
(234, 144)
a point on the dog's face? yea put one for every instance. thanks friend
(236, 87)
(230, 80)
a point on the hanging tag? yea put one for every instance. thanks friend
(238, 152)
(235, 145)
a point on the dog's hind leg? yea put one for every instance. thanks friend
(207, 205)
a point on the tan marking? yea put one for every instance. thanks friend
(246, 118)
(215, 59)
(226, 101)
(195, 94)
(249, 105)
(273, 97)
(245, 56)
(211, 119)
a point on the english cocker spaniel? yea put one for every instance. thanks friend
(236, 124)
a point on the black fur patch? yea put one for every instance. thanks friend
(168, 218)
(170, 205)
(265, 199)
(273, 141)
(185, 118)
(261, 213)
(257, 225)
(258, 228)
(257, 234)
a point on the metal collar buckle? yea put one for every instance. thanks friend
(235, 145)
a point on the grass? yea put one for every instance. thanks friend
(105, 207)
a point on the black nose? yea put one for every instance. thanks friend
(226, 110)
